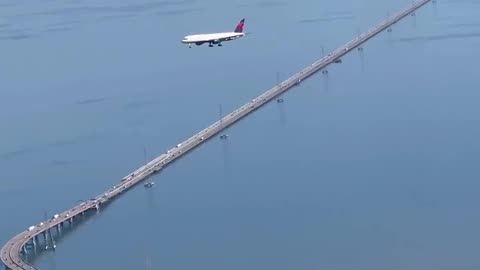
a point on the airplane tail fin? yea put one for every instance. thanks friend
(239, 28)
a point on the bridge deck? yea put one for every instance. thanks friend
(11, 252)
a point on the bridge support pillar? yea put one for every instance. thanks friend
(45, 239)
(48, 236)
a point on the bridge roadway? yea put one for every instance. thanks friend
(11, 253)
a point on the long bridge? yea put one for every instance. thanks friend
(11, 254)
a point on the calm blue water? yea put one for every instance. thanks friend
(374, 166)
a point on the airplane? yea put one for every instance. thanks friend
(215, 38)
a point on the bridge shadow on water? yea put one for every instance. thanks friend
(226, 156)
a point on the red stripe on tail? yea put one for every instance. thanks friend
(239, 28)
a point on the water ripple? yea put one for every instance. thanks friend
(130, 8)
(264, 4)
(327, 19)
(441, 37)
(90, 101)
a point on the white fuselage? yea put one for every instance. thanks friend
(215, 37)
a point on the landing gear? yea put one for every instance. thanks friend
(220, 45)
(210, 45)
(189, 45)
